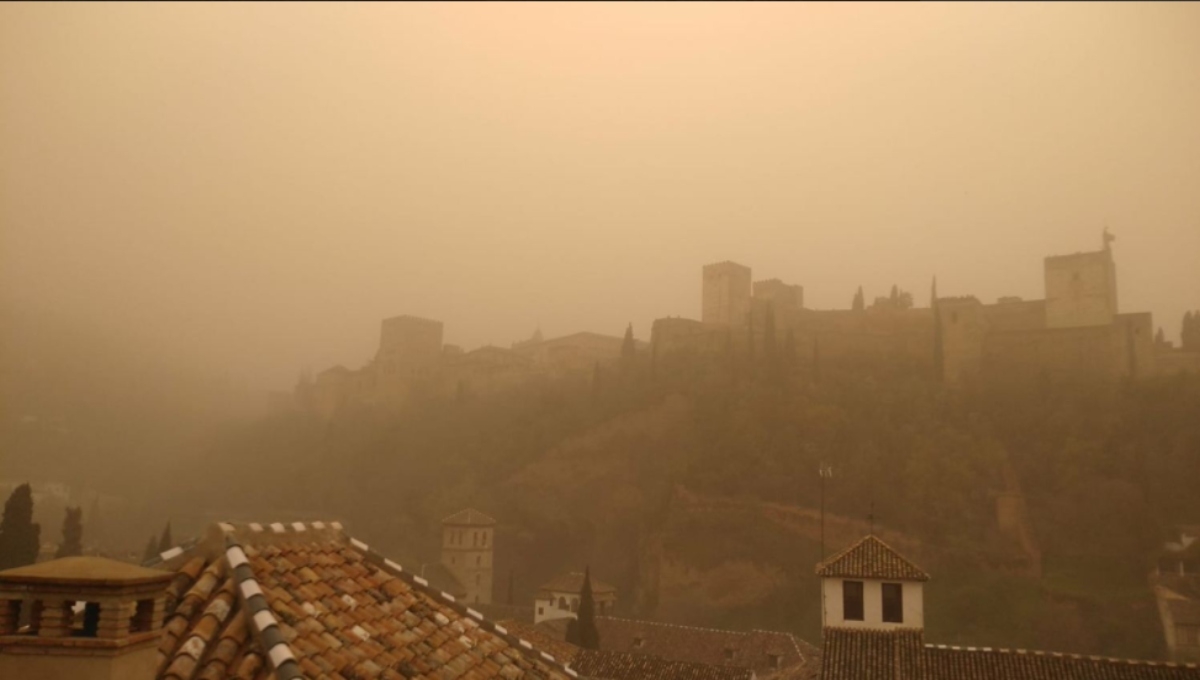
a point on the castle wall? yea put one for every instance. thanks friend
(408, 345)
(964, 328)
(725, 296)
(1097, 351)
(1081, 290)
(780, 294)
(1018, 315)
(1173, 362)
(1137, 343)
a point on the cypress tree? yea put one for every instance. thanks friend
(164, 543)
(858, 305)
(573, 632)
(20, 537)
(628, 350)
(895, 296)
(72, 534)
(589, 636)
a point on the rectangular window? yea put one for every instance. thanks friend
(893, 603)
(852, 600)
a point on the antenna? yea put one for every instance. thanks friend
(826, 472)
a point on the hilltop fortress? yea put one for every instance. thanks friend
(1075, 330)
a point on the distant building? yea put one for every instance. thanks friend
(873, 629)
(1176, 583)
(468, 542)
(559, 597)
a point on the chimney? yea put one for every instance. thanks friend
(83, 618)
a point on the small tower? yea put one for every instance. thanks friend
(86, 618)
(467, 543)
(870, 585)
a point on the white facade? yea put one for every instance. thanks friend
(557, 606)
(833, 614)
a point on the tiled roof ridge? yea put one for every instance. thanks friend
(525, 647)
(171, 553)
(258, 611)
(1062, 655)
(684, 626)
(861, 542)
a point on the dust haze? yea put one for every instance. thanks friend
(252, 187)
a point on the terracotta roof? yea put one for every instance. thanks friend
(899, 654)
(573, 583)
(613, 665)
(307, 601)
(542, 638)
(756, 649)
(469, 517)
(871, 558)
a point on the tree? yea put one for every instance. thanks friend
(628, 350)
(1159, 337)
(72, 534)
(895, 296)
(151, 552)
(20, 537)
(589, 636)
(165, 543)
(859, 304)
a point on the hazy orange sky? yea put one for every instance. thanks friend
(257, 185)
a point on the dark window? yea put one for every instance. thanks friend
(776, 660)
(638, 642)
(852, 600)
(562, 603)
(729, 653)
(91, 620)
(893, 603)
(143, 617)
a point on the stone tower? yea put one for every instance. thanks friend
(408, 346)
(467, 548)
(82, 618)
(726, 294)
(1081, 289)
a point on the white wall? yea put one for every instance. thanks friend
(911, 592)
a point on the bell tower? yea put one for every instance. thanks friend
(467, 549)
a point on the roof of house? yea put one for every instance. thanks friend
(901, 654)
(613, 665)
(751, 649)
(871, 558)
(572, 582)
(469, 517)
(84, 570)
(307, 601)
(543, 638)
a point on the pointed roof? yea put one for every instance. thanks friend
(469, 517)
(871, 558)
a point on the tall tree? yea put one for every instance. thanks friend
(895, 296)
(628, 350)
(589, 635)
(72, 534)
(20, 537)
(165, 543)
(573, 632)
(859, 303)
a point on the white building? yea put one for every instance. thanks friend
(559, 599)
(869, 585)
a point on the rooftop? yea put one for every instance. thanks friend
(91, 571)
(469, 517)
(864, 654)
(613, 665)
(307, 601)
(871, 558)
